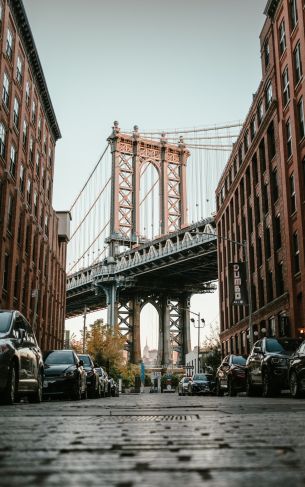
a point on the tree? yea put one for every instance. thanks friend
(106, 346)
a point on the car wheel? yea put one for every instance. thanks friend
(268, 388)
(294, 386)
(231, 388)
(250, 389)
(219, 391)
(37, 396)
(77, 393)
(10, 391)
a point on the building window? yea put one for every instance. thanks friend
(301, 119)
(31, 151)
(6, 272)
(16, 113)
(6, 90)
(33, 112)
(16, 281)
(274, 185)
(296, 253)
(45, 143)
(46, 225)
(39, 129)
(21, 178)
(257, 210)
(282, 37)
(259, 252)
(288, 139)
(36, 204)
(254, 169)
(280, 279)
(240, 155)
(29, 192)
(246, 141)
(267, 54)
(260, 112)
(2, 140)
(253, 128)
(268, 95)
(265, 198)
(37, 164)
(293, 13)
(269, 286)
(10, 208)
(271, 141)
(27, 239)
(19, 236)
(27, 93)
(13, 160)
(50, 156)
(25, 133)
(1, 15)
(292, 194)
(285, 86)
(267, 243)
(48, 190)
(9, 44)
(297, 63)
(19, 70)
(277, 232)
(262, 155)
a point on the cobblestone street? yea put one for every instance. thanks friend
(154, 440)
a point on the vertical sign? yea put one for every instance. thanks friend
(238, 284)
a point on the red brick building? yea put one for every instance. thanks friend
(33, 237)
(261, 194)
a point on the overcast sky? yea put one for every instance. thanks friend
(157, 64)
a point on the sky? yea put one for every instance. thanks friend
(158, 64)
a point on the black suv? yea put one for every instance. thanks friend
(93, 378)
(267, 365)
(297, 372)
(21, 364)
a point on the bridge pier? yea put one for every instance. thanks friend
(110, 289)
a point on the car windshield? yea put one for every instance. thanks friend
(186, 379)
(281, 345)
(85, 359)
(5, 321)
(200, 377)
(238, 360)
(59, 357)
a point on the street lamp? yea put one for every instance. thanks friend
(199, 321)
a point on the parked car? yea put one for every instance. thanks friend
(168, 383)
(267, 365)
(21, 364)
(113, 388)
(103, 377)
(231, 375)
(64, 375)
(296, 373)
(93, 379)
(183, 386)
(201, 384)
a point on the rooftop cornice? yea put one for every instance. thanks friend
(271, 7)
(19, 13)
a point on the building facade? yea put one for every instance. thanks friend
(261, 194)
(33, 237)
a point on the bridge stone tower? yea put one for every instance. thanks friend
(129, 154)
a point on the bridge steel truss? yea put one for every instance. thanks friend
(164, 272)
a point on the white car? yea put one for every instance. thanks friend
(183, 386)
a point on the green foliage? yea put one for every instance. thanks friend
(174, 379)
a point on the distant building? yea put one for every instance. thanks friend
(261, 194)
(33, 237)
(149, 356)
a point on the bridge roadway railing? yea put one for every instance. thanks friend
(136, 257)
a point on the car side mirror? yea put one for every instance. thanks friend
(21, 335)
(257, 350)
(80, 363)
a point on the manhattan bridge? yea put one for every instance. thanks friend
(143, 231)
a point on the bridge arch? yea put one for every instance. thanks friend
(149, 331)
